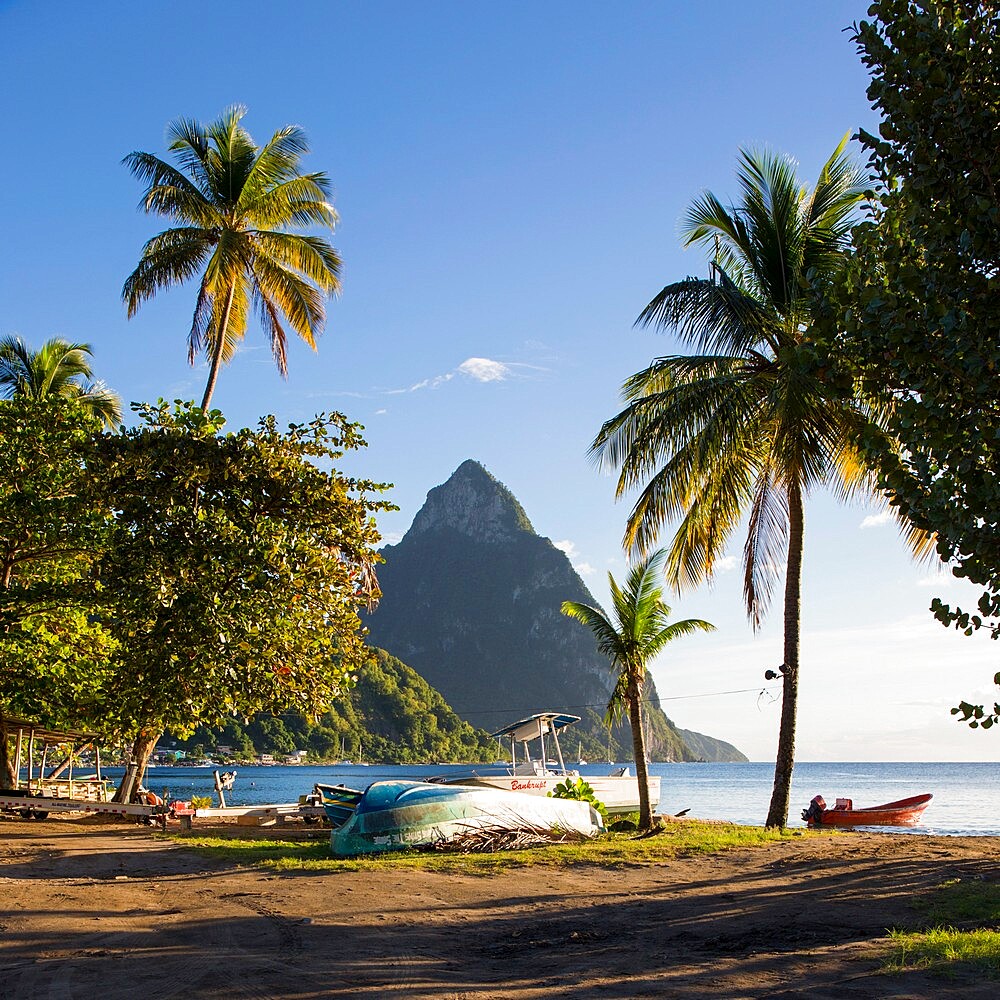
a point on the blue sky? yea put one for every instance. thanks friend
(510, 179)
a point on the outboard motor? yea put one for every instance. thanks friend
(814, 814)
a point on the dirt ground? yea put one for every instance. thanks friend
(89, 912)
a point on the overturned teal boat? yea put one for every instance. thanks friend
(394, 815)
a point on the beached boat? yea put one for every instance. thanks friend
(903, 812)
(394, 815)
(535, 775)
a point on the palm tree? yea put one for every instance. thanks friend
(57, 368)
(752, 422)
(637, 632)
(234, 204)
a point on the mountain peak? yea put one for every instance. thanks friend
(473, 503)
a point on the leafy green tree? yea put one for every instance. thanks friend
(920, 305)
(234, 205)
(235, 569)
(57, 368)
(270, 735)
(637, 631)
(749, 424)
(52, 524)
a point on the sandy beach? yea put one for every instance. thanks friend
(102, 911)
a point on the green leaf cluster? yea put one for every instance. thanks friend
(920, 305)
(580, 791)
(52, 527)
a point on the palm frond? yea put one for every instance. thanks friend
(239, 200)
(188, 140)
(102, 401)
(276, 162)
(598, 623)
(764, 551)
(300, 201)
(712, 316)
(170, 258)
(57, 368)
(310, 256)
(296, 298)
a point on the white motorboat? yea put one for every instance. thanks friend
(618, 790)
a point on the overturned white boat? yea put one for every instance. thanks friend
(619, 790)
(394, 815)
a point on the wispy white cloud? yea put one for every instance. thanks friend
(476, 369)
(379, 413)
(485, 370)
(942, 578)
(566, 546)
(877, 520)
(726, 564)
(427, 383)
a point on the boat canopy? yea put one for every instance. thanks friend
(536, 726)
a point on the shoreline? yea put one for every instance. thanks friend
(108, 910)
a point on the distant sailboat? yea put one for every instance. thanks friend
(579, 753)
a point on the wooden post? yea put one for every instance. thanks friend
(17, 759)
(218, 788)
(31, 754)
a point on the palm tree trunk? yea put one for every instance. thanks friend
(217, 350)
(639, 751)
(777, 814)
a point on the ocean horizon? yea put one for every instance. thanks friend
(966, 795)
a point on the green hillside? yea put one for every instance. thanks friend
(392, 715)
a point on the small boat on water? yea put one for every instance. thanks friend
(394, 815)
(536, 775)
(903, 812)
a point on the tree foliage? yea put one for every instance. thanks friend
(637, 630)
(920, 305)
(57, 368)
(235, 205)
(750, 424)
(235, 569)
(53, 523)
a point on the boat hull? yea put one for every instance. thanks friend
(619, 795)
(904, 812)
(395, 815)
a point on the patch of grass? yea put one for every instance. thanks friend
(963, 900)
(944, 949)
(962, 919)
(610, 850)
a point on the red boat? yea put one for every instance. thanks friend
(904, 812)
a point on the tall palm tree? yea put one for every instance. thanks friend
(749, 424)
(636, 632)
(57, 368)
(234, 204)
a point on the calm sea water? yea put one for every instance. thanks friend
(966, 796)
